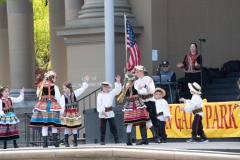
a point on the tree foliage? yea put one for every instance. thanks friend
(41, 33)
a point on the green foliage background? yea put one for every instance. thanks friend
(41, 34)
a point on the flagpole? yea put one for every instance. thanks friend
(125, 17)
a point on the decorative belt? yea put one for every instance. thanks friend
(107, 109)
(195, 111)
(159, 114)
(8, 110)
(71, 107)
(132, 99)
(144, 97)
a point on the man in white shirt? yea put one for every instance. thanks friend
(146, 88)
(104, 108)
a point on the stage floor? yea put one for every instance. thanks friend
(170, 151)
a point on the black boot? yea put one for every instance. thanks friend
(15, 144)
(75, 140)
(66, 141)
(45, 144)
(154, 131)
(143, 132)
(116, 139)
(4, 145)
(129, 143)
(55, 141)
(204, 138)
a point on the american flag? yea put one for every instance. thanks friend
(131, 44)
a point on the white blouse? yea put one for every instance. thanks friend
(106, 100)
(162, 106)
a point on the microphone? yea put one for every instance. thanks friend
(158, 69)
(202, 40)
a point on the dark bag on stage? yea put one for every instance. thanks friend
(231, 66)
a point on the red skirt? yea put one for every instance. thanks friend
(135, 113)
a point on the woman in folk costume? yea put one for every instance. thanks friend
(192, 68)
(135, 112)
(47, 111)
(71, 118)
(8, 120)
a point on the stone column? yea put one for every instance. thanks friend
(72, 7)
(109, 41)
(21, 43)
(4, 51)
(57, 47)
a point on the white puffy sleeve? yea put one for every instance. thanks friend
(191, 104)
(100, 107)
(117, 89)
(62, 102)
(166, 112)
(79, 91)
(1, 111)
(18, 99)
(57, 94)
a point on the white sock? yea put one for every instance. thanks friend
(54, 130)
(67, 131)
(75, 131)
(129, 128)
(44, 131)
(149, 124)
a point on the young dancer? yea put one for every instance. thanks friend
(104, 108)
(194, 106)
(71, 118)
(8, 120)
(145, 88)
(135, 112)
(46, 113)
(162, 112)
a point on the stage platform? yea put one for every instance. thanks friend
(165, 151)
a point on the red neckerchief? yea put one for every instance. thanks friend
(193, 58)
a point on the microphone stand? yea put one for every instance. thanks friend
(159, 73)
(201, 40)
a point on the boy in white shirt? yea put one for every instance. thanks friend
(194, 106)
(162, 112)
(104, 108)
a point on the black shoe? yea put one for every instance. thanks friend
(204, 140)
(129, 143)
(154, 131)
(102, 143)
(191, 140)
(117, 141)
(55, 141)
(145, 142)
(5, 145)
(163, 141)
(66, 141)
(15, 144)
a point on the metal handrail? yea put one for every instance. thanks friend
(89, 98)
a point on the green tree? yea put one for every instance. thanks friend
(41, 34)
